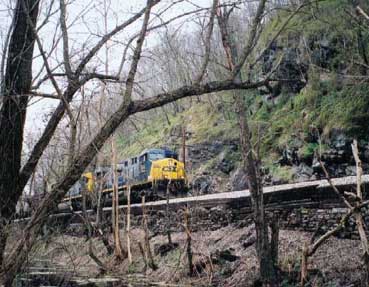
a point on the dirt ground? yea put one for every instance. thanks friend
(221, 258)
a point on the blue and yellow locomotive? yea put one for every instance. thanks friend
(151, 172)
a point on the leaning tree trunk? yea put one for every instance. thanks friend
(18, 77)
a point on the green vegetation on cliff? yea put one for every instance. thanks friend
(328, 47)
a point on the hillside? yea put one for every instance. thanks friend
(319, 105)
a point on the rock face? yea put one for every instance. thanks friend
(312, 219)
(212, 163)
(224, 255)
(199, 153)
(335, 154)
(217, 168)
(202, 184)
(224, 164)
(303, 172)
(238, 180)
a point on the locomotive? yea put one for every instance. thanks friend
(150, 173)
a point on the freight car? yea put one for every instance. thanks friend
(149, 173)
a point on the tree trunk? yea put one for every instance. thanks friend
(274, 240)
(18, 77)
(128, 225)
(359, 217)
(149, 255)
(118, 251)
(99, 203)
(167, 215)
(251, 167)
(187, 224)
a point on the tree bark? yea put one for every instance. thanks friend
(251, 166)
(359, 217)
(150, 257)
(118, 250)
(128, 224)
(274, 240)
(16, 86)
(187, 224)
(167, 215)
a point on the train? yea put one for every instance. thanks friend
(152, 173)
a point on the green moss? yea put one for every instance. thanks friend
(309, 149)
(283, 173)
(133, 268)
(346, 109)
(312, 111)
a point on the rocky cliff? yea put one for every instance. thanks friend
(315, 106)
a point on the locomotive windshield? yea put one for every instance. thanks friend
(156, 156)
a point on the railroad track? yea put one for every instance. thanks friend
(313, 191)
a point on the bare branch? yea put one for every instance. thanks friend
(149, 29)
(335, 230)
(106, 37)
(44, 57)
(91, 76)
(276, 35)
(359, 168)
(137, 53)
(207, 43)
(64, 30)
(251, 39)
(361, 12)
(193, 90)
(44, 95)
(336, 190)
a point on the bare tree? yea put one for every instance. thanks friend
(128, 106)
